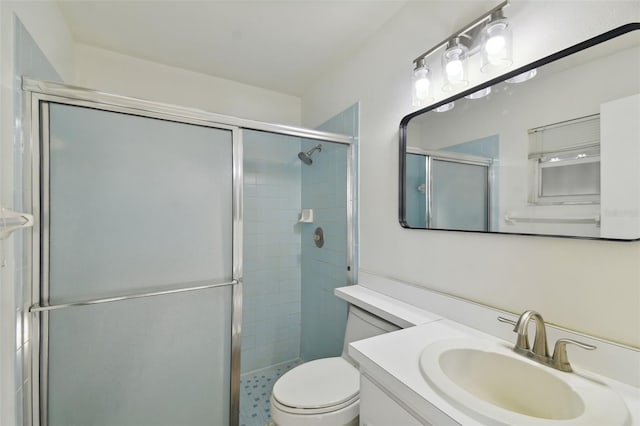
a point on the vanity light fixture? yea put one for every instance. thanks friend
(489, 34)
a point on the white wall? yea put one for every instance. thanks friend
(589, 286)
(125, 75)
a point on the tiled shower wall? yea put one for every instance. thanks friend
(271, 305)
(29, 61)
(289, 309)
(324, 189)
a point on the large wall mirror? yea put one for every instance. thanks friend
(552, 148)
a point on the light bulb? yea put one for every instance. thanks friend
(494, 44)
(454, 68)
(422, 88)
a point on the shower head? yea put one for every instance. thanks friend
(305, 157)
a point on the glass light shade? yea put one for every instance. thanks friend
(454, 64)
(480, 93)
(420, 85)
(496, 46)
(445, 107)
(525, 76)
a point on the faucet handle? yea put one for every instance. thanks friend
(507, 320)
(560, 359)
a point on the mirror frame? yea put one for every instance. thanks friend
(616, 32)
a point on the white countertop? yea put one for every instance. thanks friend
(401, 314)
(392, 359)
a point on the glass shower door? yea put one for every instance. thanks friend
(133, 207)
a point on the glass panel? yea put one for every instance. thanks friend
(290, 310)
(136, 203)
(573, 179)
(324, 189)
(416, 191)
(271, 287)
(161, 361)
(460, 196)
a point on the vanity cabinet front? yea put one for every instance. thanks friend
(377, 408)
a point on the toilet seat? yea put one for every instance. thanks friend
(312, 411)
(316, 387)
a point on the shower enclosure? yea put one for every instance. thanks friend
(152, 222)
(290, 312)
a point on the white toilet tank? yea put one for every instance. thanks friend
(362, 325)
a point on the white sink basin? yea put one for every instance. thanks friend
(498, 387)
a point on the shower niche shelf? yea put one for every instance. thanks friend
(306, 216)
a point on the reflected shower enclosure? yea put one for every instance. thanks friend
(447, 189)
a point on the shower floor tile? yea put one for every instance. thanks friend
(255, 393)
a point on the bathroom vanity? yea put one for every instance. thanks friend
(402, 379)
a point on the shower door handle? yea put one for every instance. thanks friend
(38, 308)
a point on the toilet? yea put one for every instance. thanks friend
(326, 392)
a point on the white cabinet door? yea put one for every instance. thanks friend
(378, 409)
(620, 177)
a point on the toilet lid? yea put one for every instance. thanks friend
(318, 384)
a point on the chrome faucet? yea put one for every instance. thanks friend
(540, 351)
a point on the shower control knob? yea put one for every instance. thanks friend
(318, 237)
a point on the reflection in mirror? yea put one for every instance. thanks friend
(552, 150)
(458, 194)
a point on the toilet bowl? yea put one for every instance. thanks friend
(326, 392)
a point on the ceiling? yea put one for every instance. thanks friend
(278, 45)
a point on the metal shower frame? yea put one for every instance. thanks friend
(38, 95)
